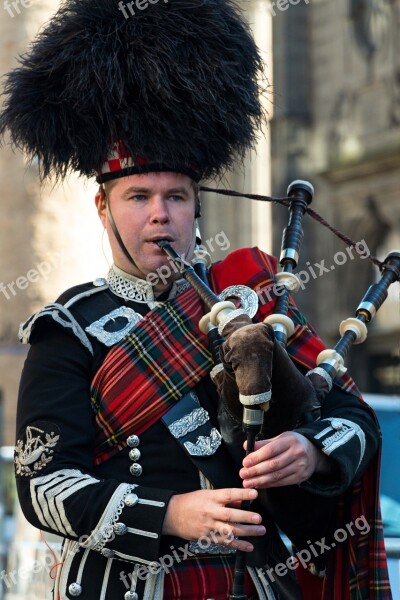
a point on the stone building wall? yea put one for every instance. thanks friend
(50, 238)
(339, 126)
(246, 222)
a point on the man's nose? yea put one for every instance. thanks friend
(159, 210)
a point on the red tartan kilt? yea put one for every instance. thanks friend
(204, 577)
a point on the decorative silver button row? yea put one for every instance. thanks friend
(75, 589)
(134, 454)
(136, 469)
(133, 441)
(131, 500)
(120, 529)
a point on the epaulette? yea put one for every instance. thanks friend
(59, 311)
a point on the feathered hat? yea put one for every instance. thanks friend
(110, 89)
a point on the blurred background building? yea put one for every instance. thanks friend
(337, 123)
(50, 239)
(334, 113)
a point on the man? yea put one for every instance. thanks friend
(125, 501)
(119, 447)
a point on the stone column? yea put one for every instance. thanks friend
(245, 222)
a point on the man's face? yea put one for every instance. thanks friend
(146, 208)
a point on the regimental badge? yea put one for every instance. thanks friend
(35, 451)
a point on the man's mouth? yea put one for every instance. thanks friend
(160, 238)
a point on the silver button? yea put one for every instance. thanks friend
(336, 424)
(131, 596)
(107, 552)
(133, 441)
(75, 589)
(134, 454)
(120, 529)
(131, 499)
(136, 469)
(99, 282)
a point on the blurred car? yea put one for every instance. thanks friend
(387, 409)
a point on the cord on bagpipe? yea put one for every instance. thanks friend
(224, 319)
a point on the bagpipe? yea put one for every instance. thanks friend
(247, 355)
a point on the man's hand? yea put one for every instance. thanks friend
(288, 459)
(215, 515)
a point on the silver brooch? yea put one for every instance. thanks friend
(248, 298)
(109, 338)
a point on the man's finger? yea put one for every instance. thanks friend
(267, 451)
(233, 495)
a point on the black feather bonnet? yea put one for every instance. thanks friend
(176, 84)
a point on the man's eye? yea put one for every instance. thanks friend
(137, 197)
(176, 197)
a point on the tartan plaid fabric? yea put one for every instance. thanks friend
(204, 577)
(151, 368)
(358, 569)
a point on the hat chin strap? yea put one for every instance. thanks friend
(117, 235)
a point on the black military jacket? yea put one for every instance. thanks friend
(111, 515)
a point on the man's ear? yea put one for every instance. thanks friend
(100, 201)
